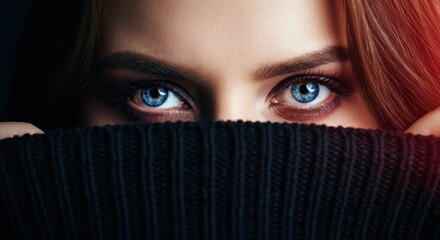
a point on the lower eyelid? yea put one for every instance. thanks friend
(290, 113)
(173, 116)
(136, 107)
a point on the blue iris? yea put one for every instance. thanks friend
(305, 92)
(154, 96)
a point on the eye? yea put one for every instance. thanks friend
(157, 97)
(151, 100)
(307, 97)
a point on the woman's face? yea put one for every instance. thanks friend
(257, 60)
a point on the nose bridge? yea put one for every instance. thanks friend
(233, 101)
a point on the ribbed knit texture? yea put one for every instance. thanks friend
(217, 180)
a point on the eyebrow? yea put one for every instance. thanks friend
(304, 62)
(150, 65)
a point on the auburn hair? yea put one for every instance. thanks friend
(394, 47)
(395, 51)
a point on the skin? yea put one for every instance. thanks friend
(225, 43)
(11, 129)
(223, 48)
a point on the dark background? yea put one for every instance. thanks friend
(12, 17)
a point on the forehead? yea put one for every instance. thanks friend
(207, 33)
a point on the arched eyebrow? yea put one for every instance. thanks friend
(150, 65)
(304, 62)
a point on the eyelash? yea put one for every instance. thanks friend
(334, 82)
(122, 91)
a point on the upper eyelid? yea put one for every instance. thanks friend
(120, 90)
(180, 91)
(316, 77)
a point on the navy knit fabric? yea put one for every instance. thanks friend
(220, 180)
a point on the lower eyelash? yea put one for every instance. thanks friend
(305, 114)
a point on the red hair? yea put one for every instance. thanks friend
(395, 51)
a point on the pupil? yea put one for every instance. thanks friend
(303, 89)
(154, 93)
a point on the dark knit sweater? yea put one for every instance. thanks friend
(216, 180)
